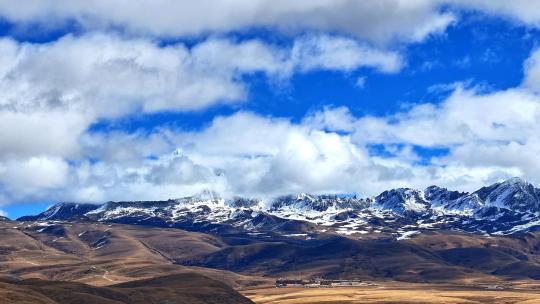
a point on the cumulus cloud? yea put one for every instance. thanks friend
(492, 132)
(77, 80)
(488, 136)
(30, 178)
(50, 133)
(332, 119)
(342, 54)
(51, 93)
(379, 21)
(241, 154)
(532, 72)
(328, 151)
(524, 11)
(109, 76)
(246, 154)
(466, 116)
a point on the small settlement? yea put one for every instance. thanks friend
(320, 283)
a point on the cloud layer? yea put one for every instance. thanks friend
(383, 21)
(488, 136)
(378, 21)
(77, 80)
(51, 93)
(107, 75)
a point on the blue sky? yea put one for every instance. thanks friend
(100, 103)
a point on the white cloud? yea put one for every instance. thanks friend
(532, 72)
(466, 116)
(242, 154)
(379, 21)
(108, 75)
(51, 93)
(246, 154)
(360, 82)
(342, 54)
(270, 157)
(332, 119)
(26, 178)
(488, 136)
(282, 157)
(52, 133)
(525, 11)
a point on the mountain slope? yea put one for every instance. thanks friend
(186, 288)
(103, 254)
(62, 211)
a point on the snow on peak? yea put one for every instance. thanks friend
(401, 201)
(514, 194)
(445, 201)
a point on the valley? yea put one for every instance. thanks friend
(423, 268)
(394, 293)
(247, 248)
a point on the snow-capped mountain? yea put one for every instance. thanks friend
(452, 202)
(502, 208)
(401, 201)
(319, 209)
(513, 194)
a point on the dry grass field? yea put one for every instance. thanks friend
(185, 288)
(459, 267)
(390, 295)
(100, 254)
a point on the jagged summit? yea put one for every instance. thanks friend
(514, 194)
(401, 201)
(319, 203)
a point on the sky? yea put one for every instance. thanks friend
(157, 99)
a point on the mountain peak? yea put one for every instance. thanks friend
(401, 201)
(514, 194)
(63, 211)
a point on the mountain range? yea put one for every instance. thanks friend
(504, 208)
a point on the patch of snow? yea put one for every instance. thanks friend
(407, 235)
(524, 226)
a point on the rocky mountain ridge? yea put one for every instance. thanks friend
(511, 206)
